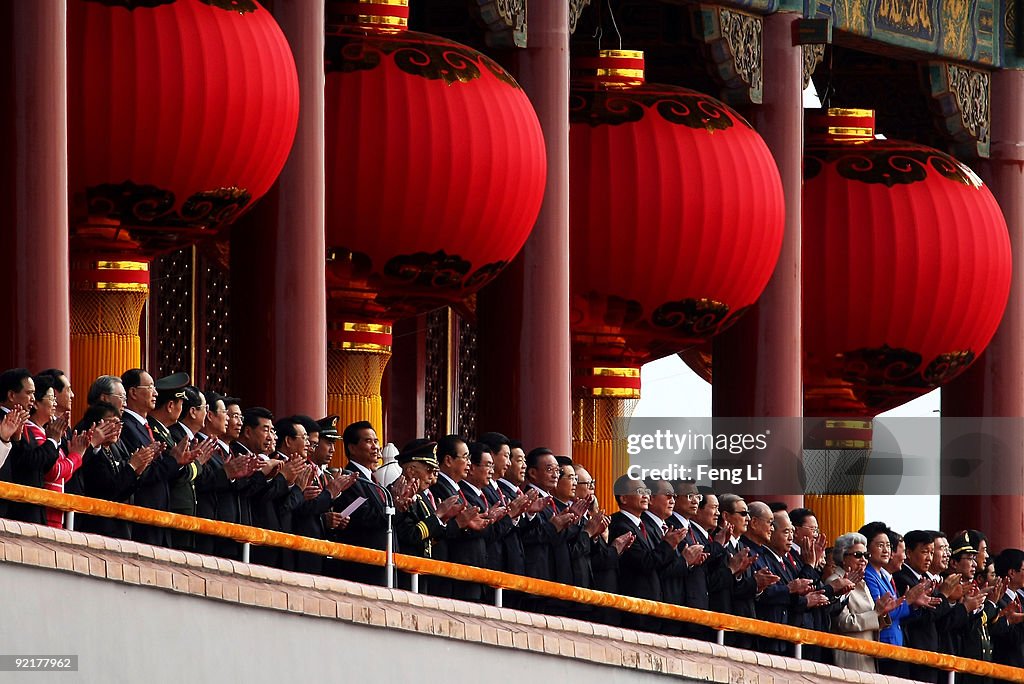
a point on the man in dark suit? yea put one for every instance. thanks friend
(469, 547)
(736, 585)
(314, 517)
(541, 530)
(217, 496)
(641, 563)
(154, 484)
(189, 427)
(1007, 630)
(687, 505)
(676, 574)
(367, 526)
(790, 596)
(921, 627)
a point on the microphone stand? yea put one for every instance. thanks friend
(389, 540)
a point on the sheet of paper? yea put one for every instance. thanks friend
(353, 506)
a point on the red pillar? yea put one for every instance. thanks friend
(524, 316)
(35, 185)
(278, 292)
(757, 361)
(992, 386)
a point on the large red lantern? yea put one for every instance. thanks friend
(906, 268)
(677, 216)
(435, 174)
(906, 273)
(181, 114)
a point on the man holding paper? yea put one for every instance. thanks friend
(363, 503)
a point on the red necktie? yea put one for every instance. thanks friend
(554, 508)
(430, 498)
(893, 585)
(643, 530)
(149, 429)
(691, 538)
(501, 496)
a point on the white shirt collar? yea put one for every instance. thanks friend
(188, 433)
(362, 469)
(135, 415)
(635, 520)
(655, 519)
(542, 492)
(683, 521)
(478, 492)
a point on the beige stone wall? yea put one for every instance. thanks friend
(135, 613)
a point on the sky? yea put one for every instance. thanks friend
(669, 388)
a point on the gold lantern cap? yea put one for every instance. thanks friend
(609, 68)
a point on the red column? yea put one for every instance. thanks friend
(524, 316)
(278, 305)
(757, 361)
(35, 185)
(992, 386)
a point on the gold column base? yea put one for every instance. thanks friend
(837, 514)
(353, 391)
(595, 442)
(107, 299)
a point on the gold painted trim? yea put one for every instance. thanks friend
(849, 424)
(627, 54)
(847, 443)
(123, 287)
(391, 3)
(122, 266)
(361, 346)
(839, 111)
(614, 392)
(373, 19)
(851, 132)
(615, 372)
(380, 328)
(623, 73)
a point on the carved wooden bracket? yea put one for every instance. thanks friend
(813, 54)
(731, 40)
(575, 10)
(960, 101)
(505, 21)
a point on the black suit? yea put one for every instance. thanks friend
(639, 568)
(307, 520)
(219, 498)
(1007, 639)
(731, 594)
(921, 628)
(27, 464)
(674, 575)
(367, 528)
(153, 490)
(463, 546)
(697, 579)
(105, 474)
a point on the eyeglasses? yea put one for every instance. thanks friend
(591, 484)
(563, 476)
(813, 530)
(695, 497)
(745, 514)
(857, 554)
(643, 491)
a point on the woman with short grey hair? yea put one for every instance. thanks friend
(861, 616)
